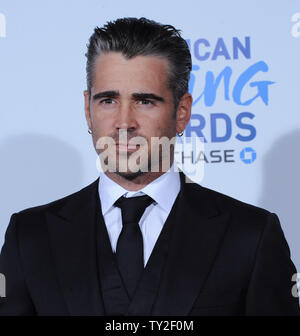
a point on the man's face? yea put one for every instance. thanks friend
(132, 95)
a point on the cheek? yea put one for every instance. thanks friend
(102, 125)
(166, 127)
(160, 125)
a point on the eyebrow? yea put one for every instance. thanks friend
(140, 96)
(106, 94)
(136, 96)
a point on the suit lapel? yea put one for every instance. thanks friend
(196, 238)
(72, 234)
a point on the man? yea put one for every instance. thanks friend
(144, 242)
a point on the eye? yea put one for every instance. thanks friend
(107, 101)
(145, 102)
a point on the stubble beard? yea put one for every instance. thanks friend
(152, 160)
(155, 167)
(130, 175)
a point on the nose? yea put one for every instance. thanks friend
(126, 118)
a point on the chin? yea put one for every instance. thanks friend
(130, 175)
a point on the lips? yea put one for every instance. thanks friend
(127, 147)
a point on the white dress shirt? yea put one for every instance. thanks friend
(162, 190)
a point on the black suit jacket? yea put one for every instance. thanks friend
(225, 258)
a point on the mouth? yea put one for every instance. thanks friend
(127, 147)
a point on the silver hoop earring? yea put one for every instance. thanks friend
(90, 131)
(180, 134)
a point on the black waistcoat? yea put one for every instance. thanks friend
(115, 298)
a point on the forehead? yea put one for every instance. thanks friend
(112, 71)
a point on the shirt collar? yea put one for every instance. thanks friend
(162, 190)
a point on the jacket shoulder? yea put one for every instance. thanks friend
(225, 203)
(246, 222)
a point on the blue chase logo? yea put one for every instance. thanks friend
(248, 155)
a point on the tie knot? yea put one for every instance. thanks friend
(132, 208)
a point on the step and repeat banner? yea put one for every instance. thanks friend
(245, 84)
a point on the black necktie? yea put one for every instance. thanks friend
(129, 251)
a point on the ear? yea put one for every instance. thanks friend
(183, 113)
(87, 108)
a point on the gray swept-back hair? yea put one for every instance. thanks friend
(142, 37)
